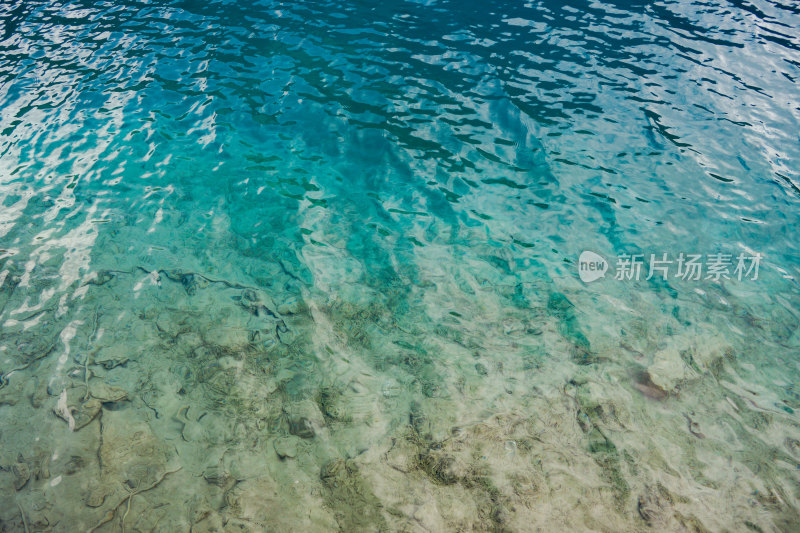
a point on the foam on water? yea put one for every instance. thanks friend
(311, 267)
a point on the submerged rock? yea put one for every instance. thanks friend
(286, 447)
(11, 394)
(301, 427)
(75, 464)
(666, 374)
(130, 451)
(189, 280)
(74, 411)
(22, 474)
(276, 507)
(95, 497)
(331, 404)
(290, 306)
(107, 393)
(218, 476)
(211, 523)
(112, 356)
(100, 278)
(644, 384)
(402, 456)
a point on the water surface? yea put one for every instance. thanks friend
(313, 266)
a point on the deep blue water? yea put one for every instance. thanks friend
(329, 253)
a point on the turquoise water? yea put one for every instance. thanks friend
(315, 266)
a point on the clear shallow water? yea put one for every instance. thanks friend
(314, 267)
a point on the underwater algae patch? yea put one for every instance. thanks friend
(350, 498)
